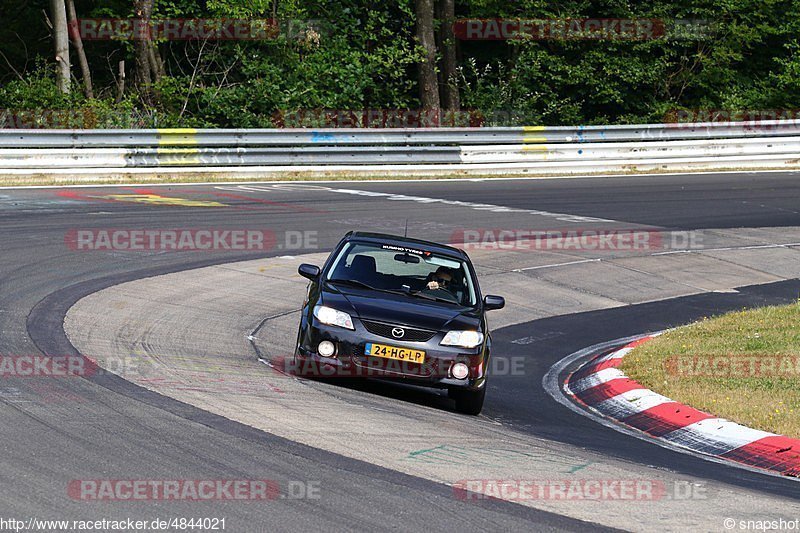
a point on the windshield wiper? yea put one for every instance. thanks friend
(362, 285)
(352, 282)
(419, 294)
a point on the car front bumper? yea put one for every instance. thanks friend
(349, 359)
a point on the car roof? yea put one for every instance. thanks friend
(385, 238)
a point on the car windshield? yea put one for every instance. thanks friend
(415, 272)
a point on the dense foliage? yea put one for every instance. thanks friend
(362, 54)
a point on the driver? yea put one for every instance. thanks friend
(440, 279)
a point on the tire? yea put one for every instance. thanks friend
(469, 402)
(296, 361)
(296, 348)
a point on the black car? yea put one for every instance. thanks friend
(392, 307)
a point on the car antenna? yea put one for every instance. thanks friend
(405, 234)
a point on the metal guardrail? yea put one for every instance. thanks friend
(766, 144)
(391, 136)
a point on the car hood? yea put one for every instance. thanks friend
(402, 310)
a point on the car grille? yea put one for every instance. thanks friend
(385, 330)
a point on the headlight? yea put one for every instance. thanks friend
(332, 317)
(465, 339)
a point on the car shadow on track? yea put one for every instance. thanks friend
(380, 390)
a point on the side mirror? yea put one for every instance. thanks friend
(493, 302)
(308, 271)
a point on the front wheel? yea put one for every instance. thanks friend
(297, 363)
(469, 402)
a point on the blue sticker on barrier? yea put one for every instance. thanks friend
(319, 137)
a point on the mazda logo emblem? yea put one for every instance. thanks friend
(398, 333)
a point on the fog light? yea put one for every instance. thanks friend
(326, 348)
(460, 371)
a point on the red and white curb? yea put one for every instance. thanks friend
(602, 388)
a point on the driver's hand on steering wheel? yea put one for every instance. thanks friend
(433, 285)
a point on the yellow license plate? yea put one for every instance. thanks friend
(393, 352)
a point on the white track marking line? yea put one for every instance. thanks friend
(557, 265)
(562, 217)
(731, 248)
(787, 246)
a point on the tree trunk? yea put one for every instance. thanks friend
(121, 82)
(438, 34)
(142, 10)
(428, 82)
(157, 69)
(77, 42)
(447, 15)
(61, 44)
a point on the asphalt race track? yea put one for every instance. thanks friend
(58, 431)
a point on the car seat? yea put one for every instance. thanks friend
(363, 268)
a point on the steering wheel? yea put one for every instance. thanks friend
(442, 293)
